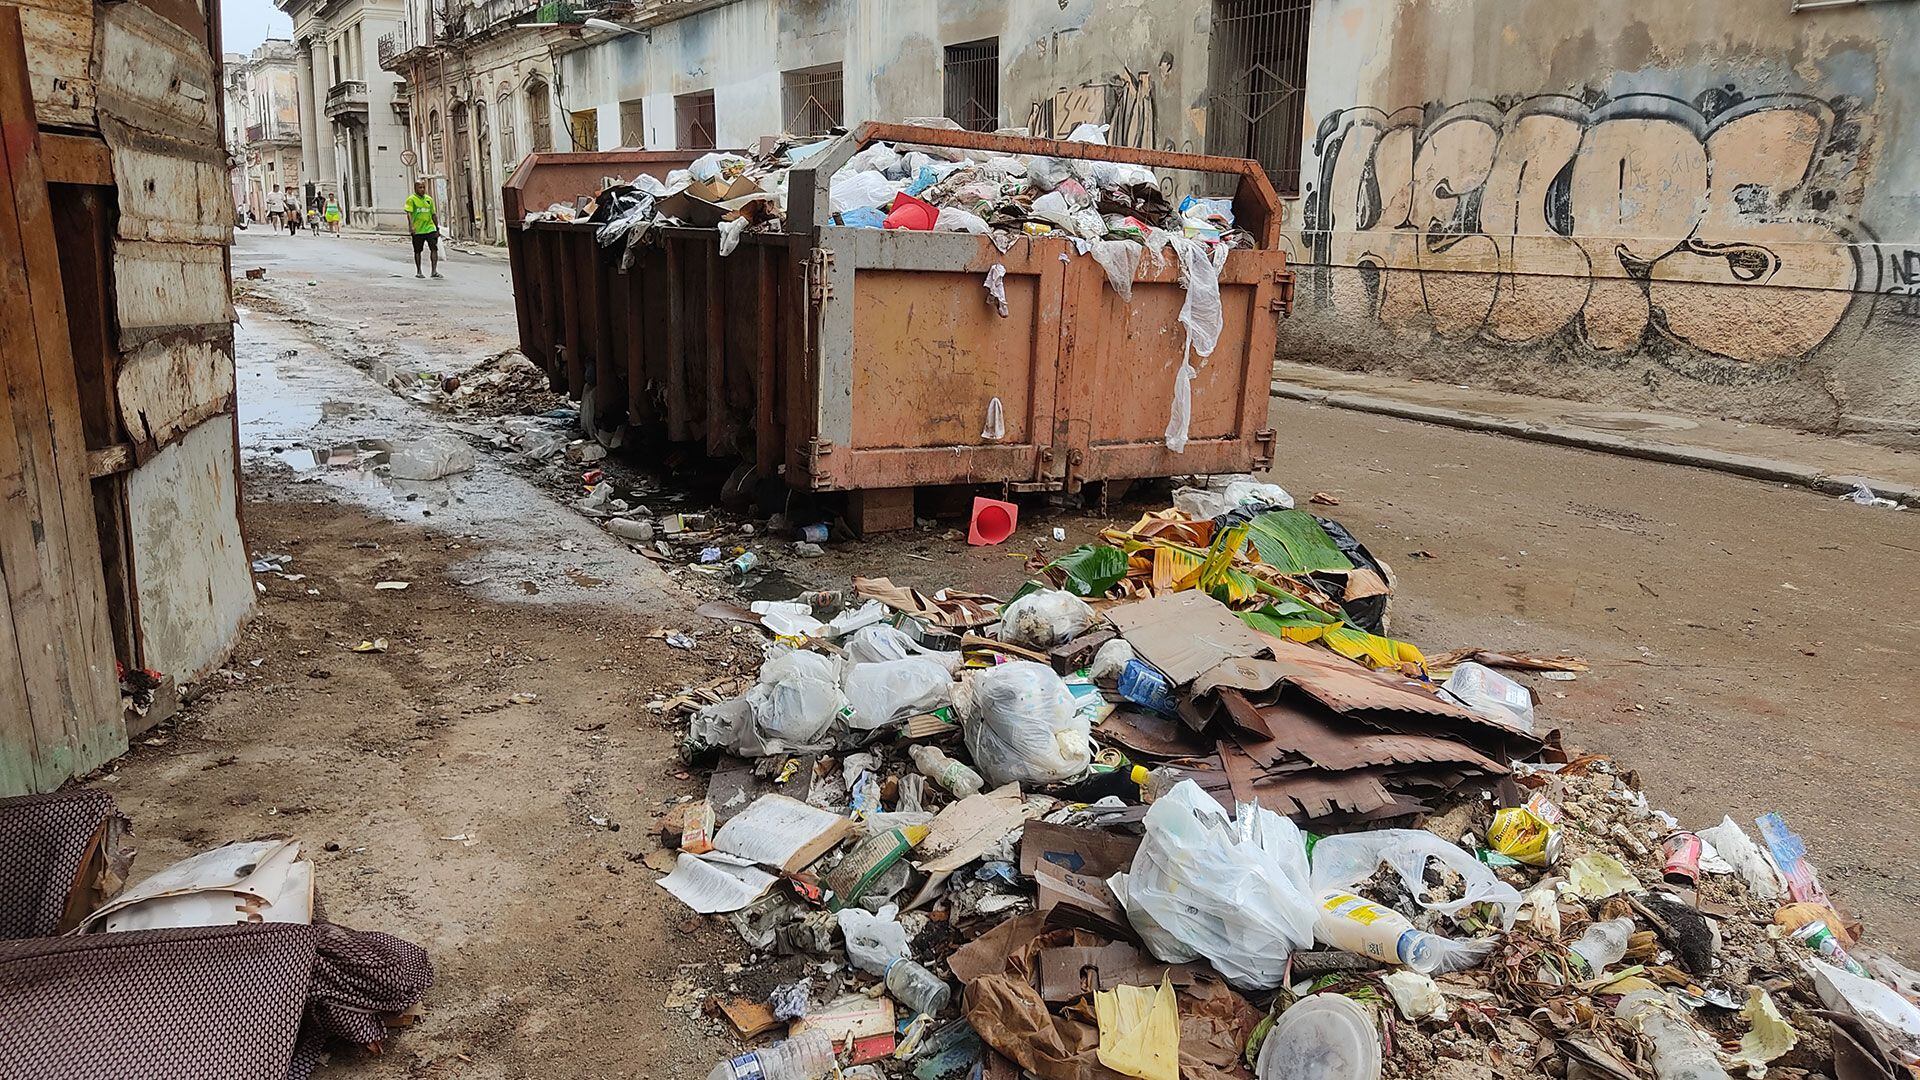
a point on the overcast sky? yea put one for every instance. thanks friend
(244, 24)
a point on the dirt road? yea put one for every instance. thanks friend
(1749, 647)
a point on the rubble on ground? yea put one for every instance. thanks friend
(1184, 807)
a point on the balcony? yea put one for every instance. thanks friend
(387, 47)
(346, 98)
(256, 132)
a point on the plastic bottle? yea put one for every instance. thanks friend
(1603, 944)
(1360, 926)
(917, 988)
(807, 1056)
(1679, 1051)
(955, 776)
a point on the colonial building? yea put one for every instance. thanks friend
(353, 130)
(263, 108)
(481, 95)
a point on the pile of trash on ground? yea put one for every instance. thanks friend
(1183, 808)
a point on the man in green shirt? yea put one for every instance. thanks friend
(423, 220)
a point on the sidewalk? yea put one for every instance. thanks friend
(1823, 463)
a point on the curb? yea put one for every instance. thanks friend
(1751, 466)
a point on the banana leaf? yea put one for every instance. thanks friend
(1294, 542)
(1090, 569)
(1217, 575)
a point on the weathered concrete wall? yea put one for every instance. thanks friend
(1712, 206)
(1139, 65)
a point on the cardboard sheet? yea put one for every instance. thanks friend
(1186, 634)
(966, 828)
(1094, 852)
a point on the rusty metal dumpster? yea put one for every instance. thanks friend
(863, 360)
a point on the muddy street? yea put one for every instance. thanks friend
(489, 784)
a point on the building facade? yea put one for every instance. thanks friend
(479, 92)
(353, 130)
(263, 116)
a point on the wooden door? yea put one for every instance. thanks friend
(59, 698)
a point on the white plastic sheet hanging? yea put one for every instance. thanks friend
(1201, 315)
(996, 285)
(730, 234)
(1120, 259)
(996, 427)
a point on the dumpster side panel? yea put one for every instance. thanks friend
(910, 350)
(1124, 359)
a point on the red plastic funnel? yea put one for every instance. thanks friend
(993, 522)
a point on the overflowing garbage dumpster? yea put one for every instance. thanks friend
(788, 308)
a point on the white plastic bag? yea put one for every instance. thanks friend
(1738, 850)
(796, 705)
(954, 219)
(1214, 498)
(730, 234)
(880, 157)
(1492, 695)
(853, 190)
(996, 285)
(873, 940)
(1341, 862)
(876, 644)
(1044, 618)
(995, 427)
(1230, 889)
(1111, 659)
(712, 166)
(892, 689)
(1180, 414)
(1120, 259)
(1021, 724)
(1054, 209)
(1200, 274)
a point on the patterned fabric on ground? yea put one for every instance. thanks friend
(45, 843)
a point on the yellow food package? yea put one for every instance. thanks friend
(1519, 833)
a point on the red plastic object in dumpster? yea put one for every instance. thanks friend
(911, 213)
(993, 522)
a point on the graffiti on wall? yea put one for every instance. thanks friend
(1621, 221)
(1902, 289)
(1123, 101)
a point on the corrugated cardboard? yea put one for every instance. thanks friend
(1185, 634)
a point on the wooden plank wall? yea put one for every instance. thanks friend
(158, 89)
(59, 697)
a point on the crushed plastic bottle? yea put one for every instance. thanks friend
(1680, 1052)
(1603, 944)
(956, 776)
(804, 1057)
(1357, 925)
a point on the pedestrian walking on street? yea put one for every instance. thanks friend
(423, 219)
(291, 211)
(276, 208)
(331, 214)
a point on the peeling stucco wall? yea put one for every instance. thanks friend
(1138, 65)
(1711, 206)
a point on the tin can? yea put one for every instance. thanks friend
(814, 534)
(1816, 936)
(1682, 851)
